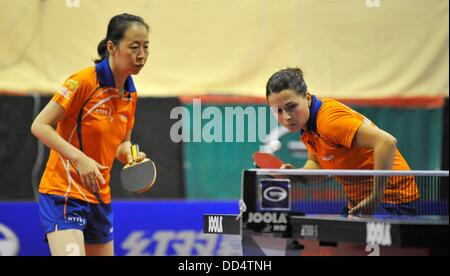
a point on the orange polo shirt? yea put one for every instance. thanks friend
(331, 129)
(106, 119)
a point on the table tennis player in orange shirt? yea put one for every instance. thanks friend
(338, 137)
(94, 115)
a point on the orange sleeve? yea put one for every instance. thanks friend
(339, 125)
(72, 93)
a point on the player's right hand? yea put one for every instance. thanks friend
(89, 171)
(287, 166)
(141, 156)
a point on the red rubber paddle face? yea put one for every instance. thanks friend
(266, 161)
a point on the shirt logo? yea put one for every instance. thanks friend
(69, 87)
(72, 85)
(104, 110)
(66, 93)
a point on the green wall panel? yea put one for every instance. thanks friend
(213, 169)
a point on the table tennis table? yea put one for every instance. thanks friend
(281, 231)
(406, 231)
(337, 235)
(429, 233)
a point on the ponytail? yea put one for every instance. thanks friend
(101, 50)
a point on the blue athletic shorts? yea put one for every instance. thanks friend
(94, 220)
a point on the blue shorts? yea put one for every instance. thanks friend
(94, 220)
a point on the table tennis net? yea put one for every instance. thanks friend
(334, 191)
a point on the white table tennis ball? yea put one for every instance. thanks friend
(275, 145)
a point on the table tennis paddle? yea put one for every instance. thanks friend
(265, 160)
(138, 177)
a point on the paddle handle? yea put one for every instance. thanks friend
(134, 152)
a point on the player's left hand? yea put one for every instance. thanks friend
(366, 206)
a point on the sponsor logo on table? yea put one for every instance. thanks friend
(215, 224)
(378, 233)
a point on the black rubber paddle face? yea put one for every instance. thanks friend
(138, 177)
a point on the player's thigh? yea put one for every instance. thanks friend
(100, 249)
(69, 242)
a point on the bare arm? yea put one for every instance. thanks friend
(382, 143)
(43, 128)
(311, 163)
(124, 150)
(384, 146)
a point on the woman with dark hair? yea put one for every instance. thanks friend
(338, 137)
(87, 124)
